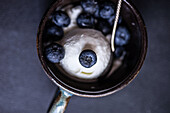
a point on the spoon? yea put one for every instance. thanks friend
(115, 24)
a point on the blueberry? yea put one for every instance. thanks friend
(119, 51)
(85, 20)
(54, 53)
(122, 36)
(106, 10)
(61, 19)
(87, 58)
(111, 20)
(54, 32)
(89, 6)
(104, 26)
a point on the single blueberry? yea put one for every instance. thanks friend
(89, 6)
(119, 51)
(122, 36)
(87, 58)
(85, 20)
(111, 20)
(106, 10)
(61, 19)
(54, 52)
(103, 26)
(54, 32)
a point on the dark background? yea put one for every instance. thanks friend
(24, 87)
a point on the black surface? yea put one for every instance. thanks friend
(24, 87)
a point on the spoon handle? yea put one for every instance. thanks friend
(60, 101)
(115, 24)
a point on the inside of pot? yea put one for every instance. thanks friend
(109, 79)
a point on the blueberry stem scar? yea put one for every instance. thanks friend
(115, 24)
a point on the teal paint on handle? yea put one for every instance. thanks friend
(61, 102)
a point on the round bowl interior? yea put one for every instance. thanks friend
(111, 81)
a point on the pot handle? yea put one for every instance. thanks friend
(60, 101)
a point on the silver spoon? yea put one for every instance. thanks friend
(115, 24)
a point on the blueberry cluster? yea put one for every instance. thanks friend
(97, 14)
(100, 15)
(122, 38)
(54, 27)
(54, 32)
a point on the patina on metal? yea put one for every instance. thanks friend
(60, 101)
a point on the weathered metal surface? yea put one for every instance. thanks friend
(60, 102)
